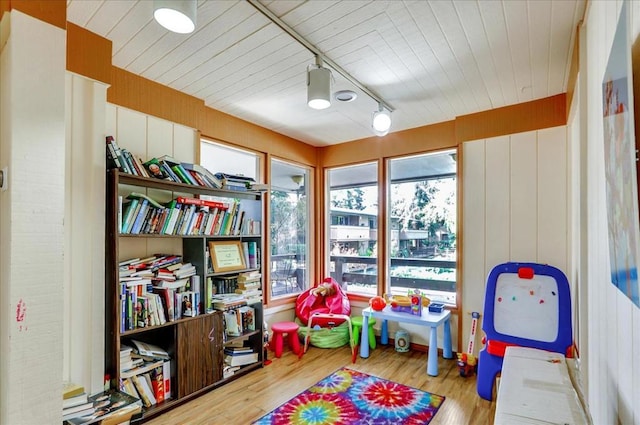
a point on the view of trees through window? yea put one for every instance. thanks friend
(353, 232)
(421, 229)
(289, 228)
(423, 238)
(422, 222)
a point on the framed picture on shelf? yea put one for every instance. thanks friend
(226, 256)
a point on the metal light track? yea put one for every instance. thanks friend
(313, 49)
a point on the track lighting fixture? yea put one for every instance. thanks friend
(318, 86)
(319, 78)
(176, 15)
(381, 121)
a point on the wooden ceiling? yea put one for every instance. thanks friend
(430, 60)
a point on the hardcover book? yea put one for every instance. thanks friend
(155, 169)
(108, 404)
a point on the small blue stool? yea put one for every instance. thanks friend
(357, 326)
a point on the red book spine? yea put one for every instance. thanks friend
(158, 386)
(201, 202)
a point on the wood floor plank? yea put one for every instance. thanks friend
(250, 397)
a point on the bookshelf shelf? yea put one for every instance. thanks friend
(196, 344)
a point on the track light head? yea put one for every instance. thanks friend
(318, 86)
(381, 121)
(178, 16)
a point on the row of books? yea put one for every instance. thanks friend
(229, 292)
(156, 289)
(151, 387)
(144, 305)
(168, 168)
(123, 160)
(150, 380)
(140, 214)
(164, 167)
(171, 169)
(240, 320)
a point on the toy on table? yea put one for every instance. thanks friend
(411, 303)
(377, 303)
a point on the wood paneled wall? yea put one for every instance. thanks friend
(528, 116)
(53, 12)
(516, 206)
(91, 54)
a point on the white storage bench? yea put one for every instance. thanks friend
(535, 388)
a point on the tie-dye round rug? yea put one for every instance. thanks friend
(351, 397)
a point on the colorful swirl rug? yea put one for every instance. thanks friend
(351, 397)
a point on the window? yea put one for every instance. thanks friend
(219, 158)
(353, 237)
(289, 234)
(422, 228)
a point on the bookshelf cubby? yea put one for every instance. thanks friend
(195, 344)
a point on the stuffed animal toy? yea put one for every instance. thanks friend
(325, 289)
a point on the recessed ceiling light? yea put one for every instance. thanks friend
(345, 95)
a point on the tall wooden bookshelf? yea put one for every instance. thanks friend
(195, 344)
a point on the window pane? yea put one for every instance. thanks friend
(219, 158)
(289, 228)
(353, 232)
(422, 242)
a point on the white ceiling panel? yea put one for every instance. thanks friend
(493, 16)
(523, 40)
(480, 51)
(429, 60)
(540, 36)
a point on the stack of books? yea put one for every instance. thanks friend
(75, 402)
(108, 404)
(235, 356)
(228, 301)
(237, 182)
(127, 360)
(249, 285)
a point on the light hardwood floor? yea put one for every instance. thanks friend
(250, 397)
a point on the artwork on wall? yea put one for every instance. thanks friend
(620, 169)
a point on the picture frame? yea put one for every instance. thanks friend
(621, 182)
(226, 256)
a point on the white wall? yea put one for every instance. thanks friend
(613, 349)
(32, 146)
(146, 137)
(84, 233)
(516, 207)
